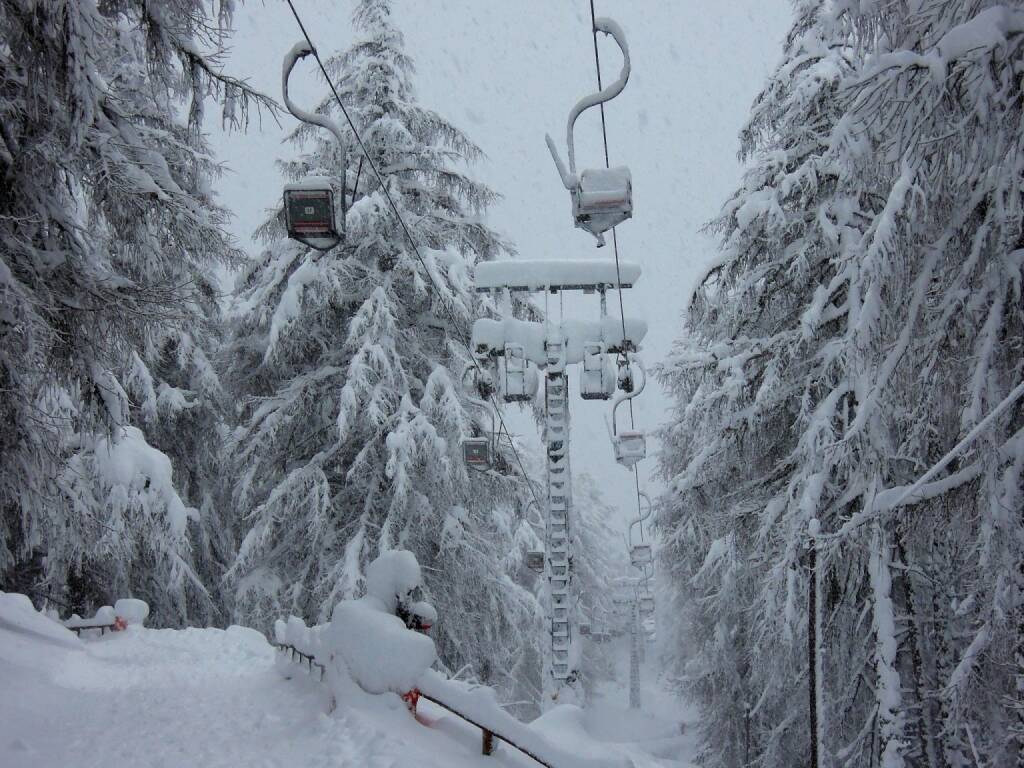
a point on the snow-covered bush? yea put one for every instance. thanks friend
(365, 641)
(132, 610)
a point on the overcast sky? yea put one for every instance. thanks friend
(506, 73)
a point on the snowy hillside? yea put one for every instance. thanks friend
(210, 697)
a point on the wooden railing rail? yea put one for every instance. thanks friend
(101, 627)
(488, 737)
(302, 657)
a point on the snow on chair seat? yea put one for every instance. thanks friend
(603, 199)
(640, 555)
(630, 447)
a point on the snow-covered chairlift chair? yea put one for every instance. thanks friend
(309, 213)
(601, 197)
(479, 451)
(646, 605)
(520, 377)
(630, 445)
(535, 560)
(597, 380)
(309, 207)
(640, 555)
(476, 452)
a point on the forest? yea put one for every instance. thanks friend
(236, 432)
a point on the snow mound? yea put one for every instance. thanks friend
(379, 653)
(391, 576)
(545, 737)
(132, 610)
(19, 616)
(366, 641)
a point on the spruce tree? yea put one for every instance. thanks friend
(864, 317)
(351, 364)
(110, 238)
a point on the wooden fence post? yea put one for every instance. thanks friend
(488, 742)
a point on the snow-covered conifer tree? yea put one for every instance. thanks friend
(864, 317)
(110, 238)
(351, 362)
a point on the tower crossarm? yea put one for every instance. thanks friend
(535, 275)
(491, 336)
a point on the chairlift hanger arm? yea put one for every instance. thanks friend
(642, 518)
(611, 28)
(624, 396)
(301, 50)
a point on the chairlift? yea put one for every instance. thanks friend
(630, 445)
(309, 205)
(477, 452)
(601, 197)
(640, 555)
(309, 213)
(584, 628)
(535, 560)
(520, 377)
(647, 605)
(596, 379)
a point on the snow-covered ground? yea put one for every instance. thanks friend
(208, 697)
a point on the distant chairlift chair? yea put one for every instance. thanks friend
(520, 378)
(535, 560)
(597, 380)
(476, 451)
(630, 445)
(479, 451)
(641, 555)
(646, 605)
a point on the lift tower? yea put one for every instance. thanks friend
(553, 346)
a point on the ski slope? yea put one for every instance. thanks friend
(210, 697)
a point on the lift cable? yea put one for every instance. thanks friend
(412, 241)
(615, 243)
